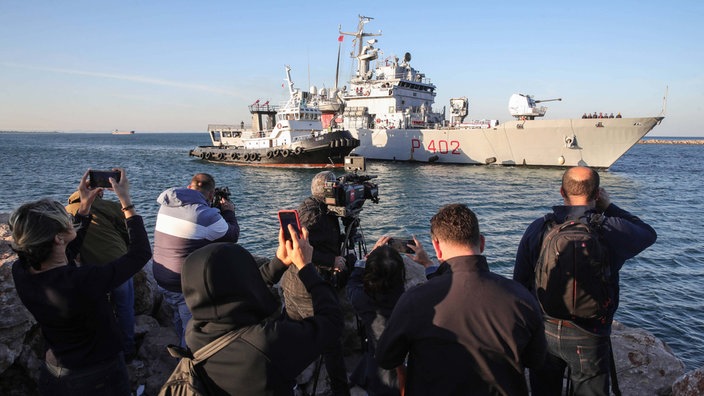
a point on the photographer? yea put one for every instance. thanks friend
(324, 235)
(187, 221)
(69, 302)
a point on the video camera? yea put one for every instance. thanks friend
(219, 194)
(346, 195)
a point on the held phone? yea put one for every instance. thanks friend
(99, 178)
(400, 245)
(287, 217)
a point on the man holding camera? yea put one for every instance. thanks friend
(188, 219)
(324, 235)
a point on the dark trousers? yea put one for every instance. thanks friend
(107, 378)
(586, 354)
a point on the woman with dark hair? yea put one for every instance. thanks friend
(373, 289)
(84, 352)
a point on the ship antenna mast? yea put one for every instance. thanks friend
(664, 101)
(360, 34)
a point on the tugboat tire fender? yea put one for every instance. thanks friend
(270, 154)
(285, 153)
(202, 155)
(246, 156)
(208, 155)
(221, 156)
(277, 152)
(234, 156)
(298, 150)
(257, 157)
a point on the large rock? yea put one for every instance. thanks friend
(644, 364)
(690, 384)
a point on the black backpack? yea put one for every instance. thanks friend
(186, 379)
(573, 275)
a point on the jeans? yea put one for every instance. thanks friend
(586, 354)
(123, 300)
(107, 378)
(181, 314)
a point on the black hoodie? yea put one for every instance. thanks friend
(225, 290)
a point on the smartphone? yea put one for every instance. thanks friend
(400, 245)
(287, 217)
(99, 178)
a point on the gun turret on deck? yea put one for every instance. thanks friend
(524, 106)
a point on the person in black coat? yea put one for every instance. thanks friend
(373, 290)
(225, 290)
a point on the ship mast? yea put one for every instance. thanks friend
(359, 35)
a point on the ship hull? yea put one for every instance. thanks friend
(596, 143)
(325, 152)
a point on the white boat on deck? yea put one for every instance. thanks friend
(388, 107)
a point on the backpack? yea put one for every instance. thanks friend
(572, 274)
(187, 377)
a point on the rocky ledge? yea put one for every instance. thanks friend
(645, 365)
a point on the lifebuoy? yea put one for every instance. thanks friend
(378, 120)
(270, 154)
(285, 153)
(278, 125)
(298, 150)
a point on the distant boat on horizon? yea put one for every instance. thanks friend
(116, 132)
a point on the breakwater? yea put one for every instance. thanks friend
(671, 141)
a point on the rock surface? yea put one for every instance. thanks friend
(645, 365)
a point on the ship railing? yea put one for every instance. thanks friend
(263, 108)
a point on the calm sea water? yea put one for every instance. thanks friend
(661, 288)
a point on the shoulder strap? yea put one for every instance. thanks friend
(216, 345)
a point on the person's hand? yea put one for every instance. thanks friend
(603, 201)
(384, 240)
(281, 250)
(420, 256)
(340, 264)
(87, 195)
(226, 205)
(298, 248)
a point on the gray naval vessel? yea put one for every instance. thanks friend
(388, 108)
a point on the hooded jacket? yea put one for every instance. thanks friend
(224, 291)
(186, 222)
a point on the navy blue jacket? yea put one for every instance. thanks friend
(624, 234)
(465, 331)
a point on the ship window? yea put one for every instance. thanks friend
(227, 134)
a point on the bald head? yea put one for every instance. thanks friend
(580, 185)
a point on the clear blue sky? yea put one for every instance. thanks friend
(176, 66)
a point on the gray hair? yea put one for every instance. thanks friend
(317, 186)
(34, 226)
